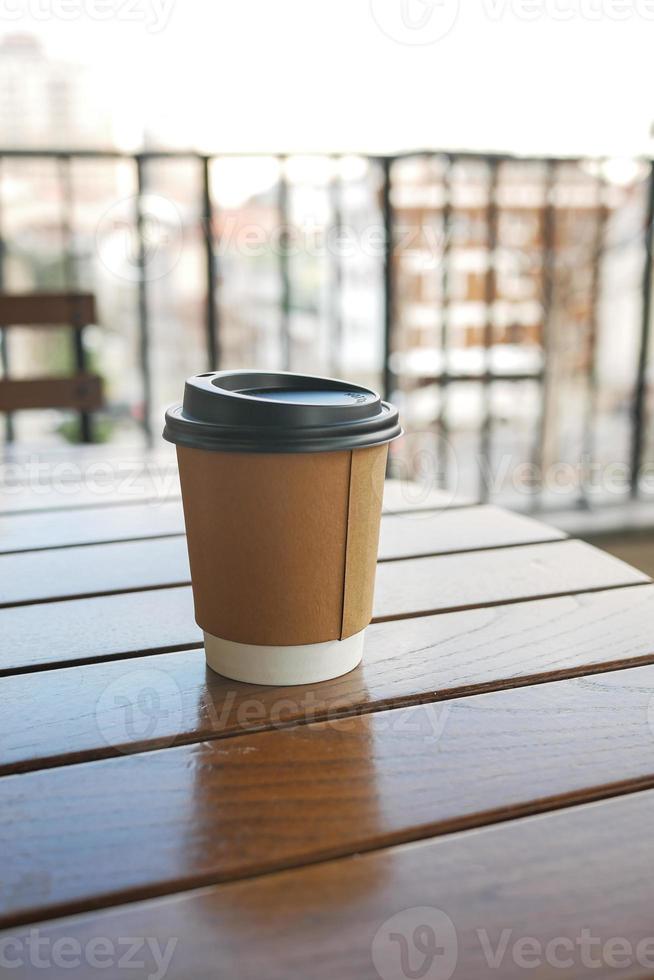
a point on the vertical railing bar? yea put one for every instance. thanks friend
(538, 454)
(336, 280)
(4, 332)
(5, 362)
(446, 232)
(284, 270)
(70, 277)
(640, 390)
(588, 439)
(212, 316)
(388, 221)
(66, 195)
(143, 312)
(485, 434)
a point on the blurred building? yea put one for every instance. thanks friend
(47, 102)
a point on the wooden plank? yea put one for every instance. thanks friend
(423, 585)
(19, 501)
(96, 569)
(455, 531)
(157, 562)
(87, 630)
(221, 810)
(81, 391)
(402, 536)
(62, 716)
(47, 309)
(56, 529)
(67, 632)
(583, 872)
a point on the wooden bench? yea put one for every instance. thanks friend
(82, 391)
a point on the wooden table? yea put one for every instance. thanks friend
(482, 787)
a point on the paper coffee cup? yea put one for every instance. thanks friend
(282, 481)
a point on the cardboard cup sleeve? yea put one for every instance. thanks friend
(282, 547)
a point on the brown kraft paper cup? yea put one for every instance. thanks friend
(282, 548)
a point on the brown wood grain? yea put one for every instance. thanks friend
(47, 309)
(156, 562)
(129, 624)
(61, 716)
(221, 810)
(81, 391)
(402, 535)
(559, 877)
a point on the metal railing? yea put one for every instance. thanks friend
(386, 169)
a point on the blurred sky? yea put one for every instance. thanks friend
(557, 76)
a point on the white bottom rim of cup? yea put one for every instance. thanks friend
(283, 665)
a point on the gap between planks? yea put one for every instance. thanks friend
(426, 660)
(497, 756)
(328, 714)
(417, 835)
(380, 561)
(302, 922)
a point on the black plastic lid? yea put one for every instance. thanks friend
(277, 412)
